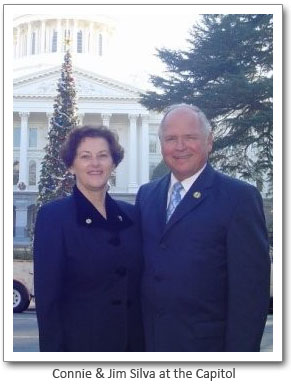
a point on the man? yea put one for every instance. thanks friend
(206, 277)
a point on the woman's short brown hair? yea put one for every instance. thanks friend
(75, 137)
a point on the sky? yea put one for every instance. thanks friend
(137, 39)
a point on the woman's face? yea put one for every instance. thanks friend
(93, 164)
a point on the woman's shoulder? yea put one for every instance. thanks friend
(57, 207)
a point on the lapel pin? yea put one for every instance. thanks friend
(197, 194)
(120, 218)
(88, 221)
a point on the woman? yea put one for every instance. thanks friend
(87, 256)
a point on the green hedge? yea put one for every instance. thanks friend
(22, 254)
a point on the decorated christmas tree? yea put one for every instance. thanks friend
(55, 181)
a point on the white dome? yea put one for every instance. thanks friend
(40, 41)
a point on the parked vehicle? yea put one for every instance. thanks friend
(22, 284)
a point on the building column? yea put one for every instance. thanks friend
(91, 41)
(85, 39)
(20, 220)
(81, 118)
(68, 35)
(48, 39)
(49, 116)
(28, 39)
(132, 184)
(37, 41)
(74, 36)
(67, 27)
(42, 37)
(17, 46)
(106, 119)
(59, 36)
(144, 149)
(23, 151)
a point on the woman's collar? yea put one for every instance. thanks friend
(88, 215)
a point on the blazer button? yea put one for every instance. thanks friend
(121, 271)
(163, 246)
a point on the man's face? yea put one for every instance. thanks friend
(185, 146)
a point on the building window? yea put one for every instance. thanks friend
(54, 42)
(33, 43)
(153, 144)
(32, 173)
(15, 172)
(32, 142)
(16, 137)
(79, 42)
(100, 45)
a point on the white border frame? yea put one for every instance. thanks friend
(9, 355)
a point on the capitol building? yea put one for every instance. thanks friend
(102, 98)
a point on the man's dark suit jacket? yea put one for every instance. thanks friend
(206, 278)
(87, 277)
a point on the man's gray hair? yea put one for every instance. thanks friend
(205, 124)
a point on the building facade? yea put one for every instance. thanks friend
(39, 47)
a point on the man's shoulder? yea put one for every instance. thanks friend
(154, 184)
(232, 184)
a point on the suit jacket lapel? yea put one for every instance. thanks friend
(158, 203)
(196, 194)
(161, 200)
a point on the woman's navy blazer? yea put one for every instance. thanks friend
(87, 276)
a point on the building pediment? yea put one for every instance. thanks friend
(88, 85)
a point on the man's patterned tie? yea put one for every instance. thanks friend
(175, 199)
